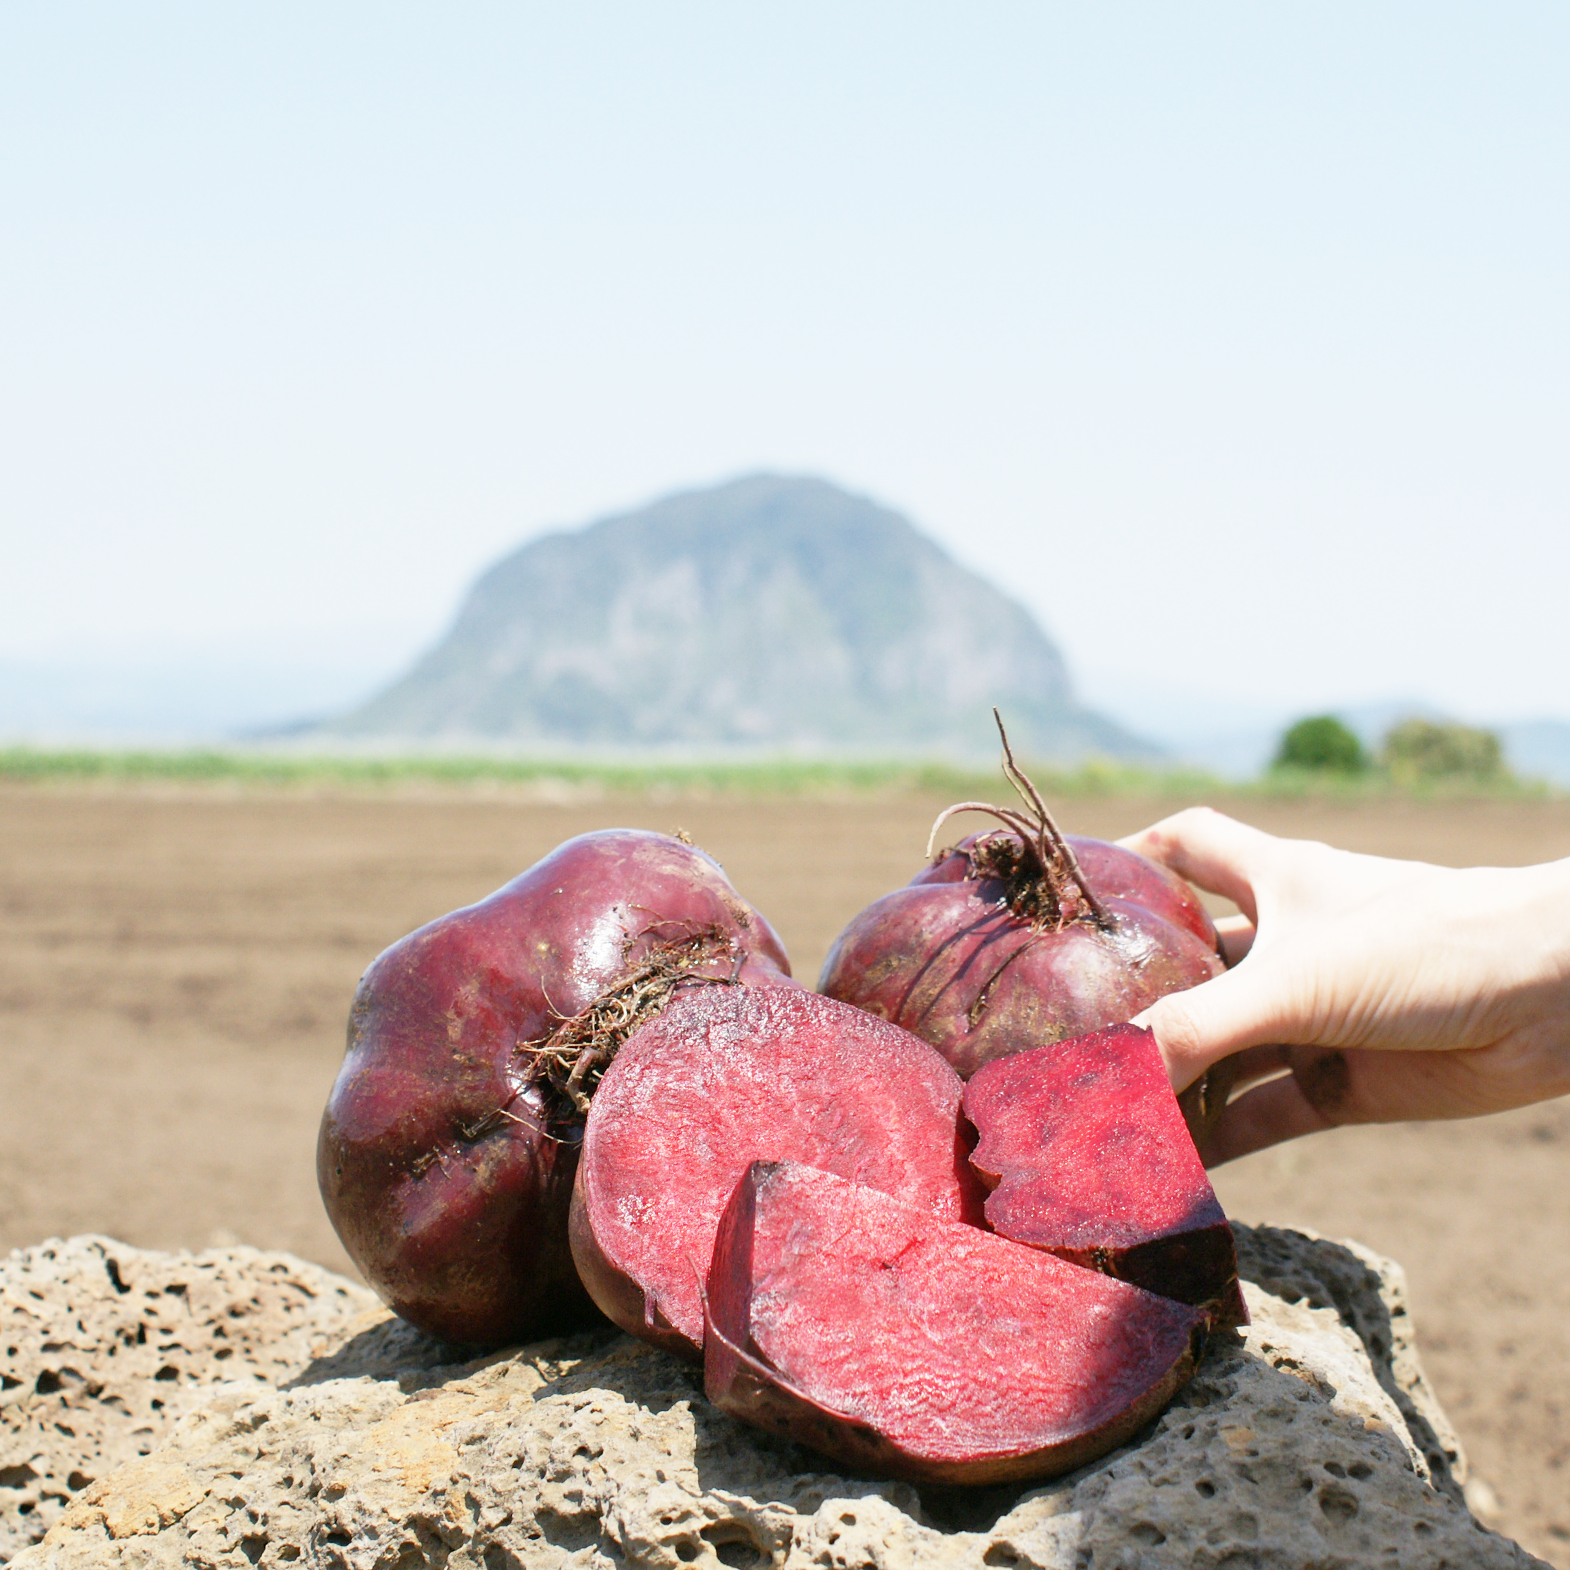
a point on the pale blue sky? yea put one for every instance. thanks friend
(1233, 339)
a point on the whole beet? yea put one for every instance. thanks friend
(450, 1140)
(1022, 936)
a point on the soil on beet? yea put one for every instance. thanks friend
(186, 961)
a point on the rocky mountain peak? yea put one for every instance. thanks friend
(773, 613)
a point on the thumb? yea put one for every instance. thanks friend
(1236, 1010)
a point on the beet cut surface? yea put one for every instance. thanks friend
(725, 1077)
(1088, 1157)
(910, 1346)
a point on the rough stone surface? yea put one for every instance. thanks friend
(103, 1347)
(1313, 1441)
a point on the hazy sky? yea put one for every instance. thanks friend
(1233, 339)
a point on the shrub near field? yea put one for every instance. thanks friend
(1417, 751)
(1321, 744)
(1322, 753)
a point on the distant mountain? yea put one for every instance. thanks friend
(771, 613)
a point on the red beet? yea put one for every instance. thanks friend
(898, 1342)
(1022, 936)
(1086, 1153)
(724, 1077)
(450, 1140)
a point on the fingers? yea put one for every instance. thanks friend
(1248, 1068)
(1262, 1117)
(1239, 1009)
(1330, 1087)
(1390, 1087)
(1237, 938)
(1209, 849)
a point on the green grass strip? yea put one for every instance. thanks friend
(749, 778)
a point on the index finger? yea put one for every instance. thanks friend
(1209, 849)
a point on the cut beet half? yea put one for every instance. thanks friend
(726, 1076)
(1088, 1157)
(913, 1347)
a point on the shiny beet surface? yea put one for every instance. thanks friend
(1085, 1150)
(950, 960)
(445, 1174)
(909, 1346)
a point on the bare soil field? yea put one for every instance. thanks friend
(175, 971)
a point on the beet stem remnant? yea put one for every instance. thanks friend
(1043, 843)
(569, 1062)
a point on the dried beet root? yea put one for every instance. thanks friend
(725, 1077)
(1086, 1153)
(1022, 936)
(450, 1140)
(907, 1345)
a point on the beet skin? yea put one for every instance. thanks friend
(1086, 1153)
(1024, 935)
(909, 1346)
(444, 1164)
(723, 1077)
(947, 958)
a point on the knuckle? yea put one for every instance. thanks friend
(1177, 1033)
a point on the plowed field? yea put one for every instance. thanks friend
(175, 971)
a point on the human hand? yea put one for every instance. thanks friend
(1388, 990)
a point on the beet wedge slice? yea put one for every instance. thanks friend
(1088, 1157)
(914, 1347)
(726, 1076)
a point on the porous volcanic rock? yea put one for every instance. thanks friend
(104, 1346)
(1312, 1440)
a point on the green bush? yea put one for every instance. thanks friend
(1420, 750)
(1322, 745)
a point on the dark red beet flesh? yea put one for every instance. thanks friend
(904, 1344)
(1087, 1155)
(724, 1077)
(444, 1168)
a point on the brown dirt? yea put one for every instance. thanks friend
(175, 972)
